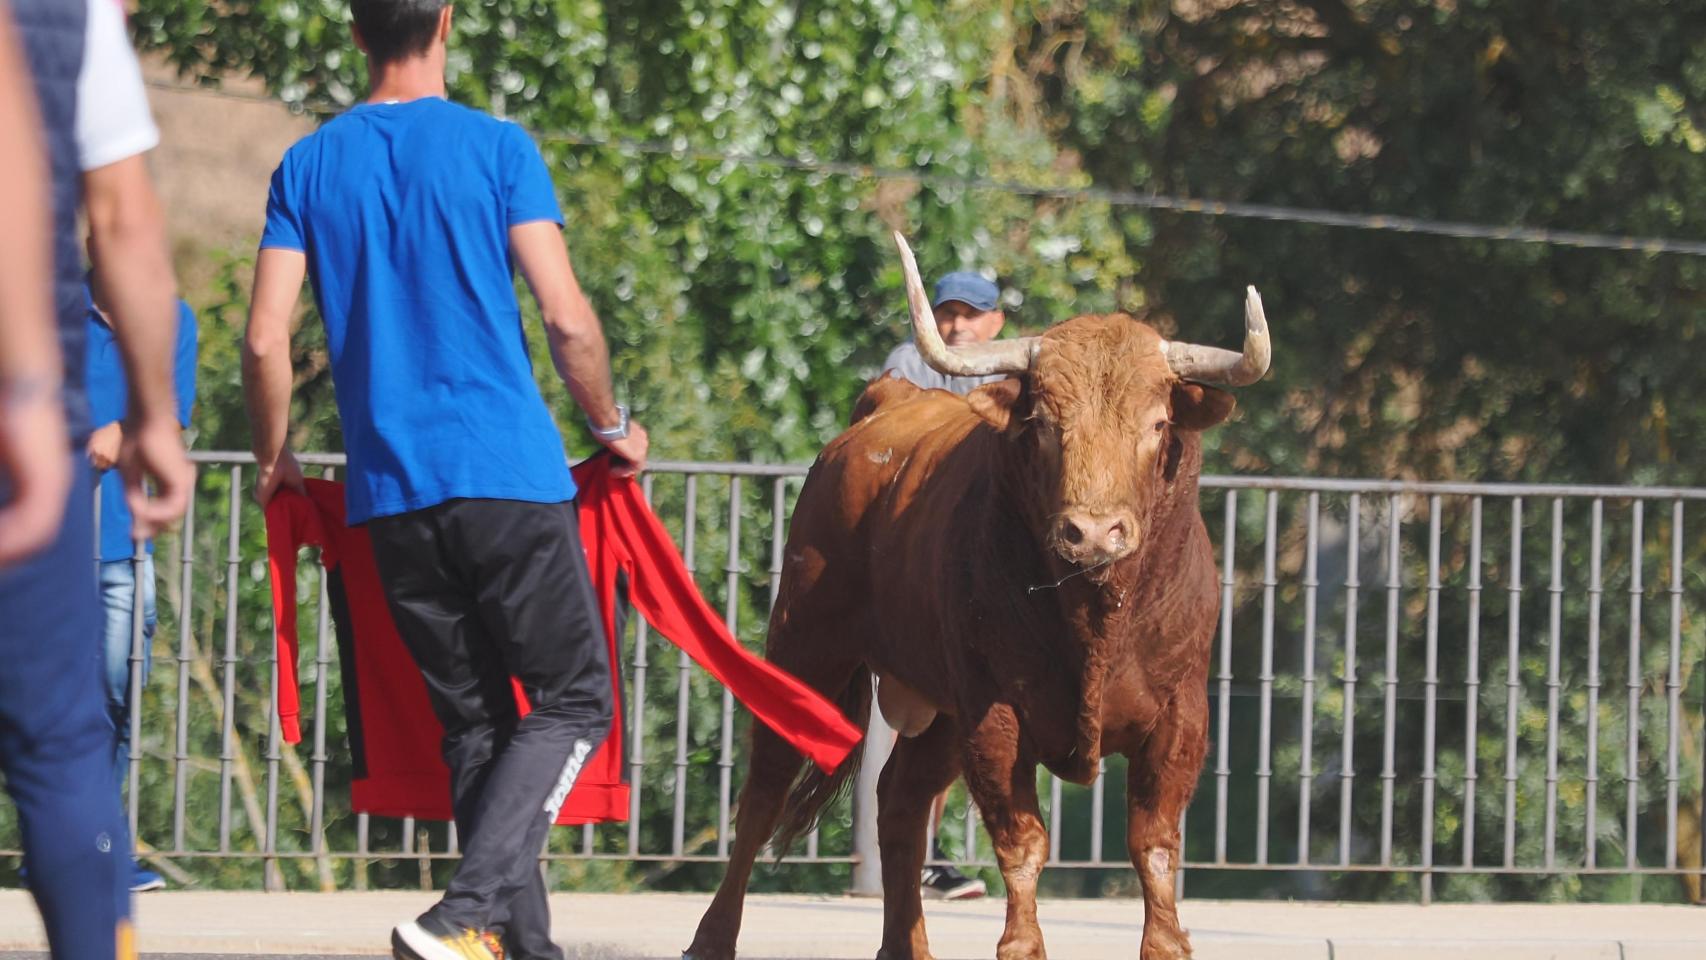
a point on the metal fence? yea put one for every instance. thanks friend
(1414, 680)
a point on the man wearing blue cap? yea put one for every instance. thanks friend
(967, 311)
(965, 305)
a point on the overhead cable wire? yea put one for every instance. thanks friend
(1388, 223)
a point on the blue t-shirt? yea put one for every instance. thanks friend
(108, 389)
(403, 211)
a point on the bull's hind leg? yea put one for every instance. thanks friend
(1160, 779)
(773, 767)
(1003, 781)
(770, 774)
(918, 769)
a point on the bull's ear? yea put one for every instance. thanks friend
(996, 402)
(1198, 407)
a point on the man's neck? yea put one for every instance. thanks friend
(412, 78)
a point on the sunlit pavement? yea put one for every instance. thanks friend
(657, 926)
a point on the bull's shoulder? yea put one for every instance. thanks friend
(884, 390)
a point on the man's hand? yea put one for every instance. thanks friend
(153, 450)
(283, 472)
(33, 457)
(104, 445)
(632, 449)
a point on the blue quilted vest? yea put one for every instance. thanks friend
(53, 34)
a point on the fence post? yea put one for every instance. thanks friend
(867, 860)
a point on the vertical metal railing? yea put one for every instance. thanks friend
(1554, 684)
(1590, 793)
(1673, 686)
(684, 683)
(1389, 720)
(186, 655)
(1306, 725)
(731, 619)
(1265, 739)
(1223, 752)
(1277, 708)
(1513, 677)
(1472, 685)
(228, 715)
(1632, 718)
(1347, 727)
(1430, 681)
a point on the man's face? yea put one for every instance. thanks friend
(961, 323)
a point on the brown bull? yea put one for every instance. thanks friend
(1026, 573)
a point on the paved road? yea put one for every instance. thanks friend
(657, 926)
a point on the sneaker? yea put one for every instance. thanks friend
(425, 939)
(144, 880)
(947, 883)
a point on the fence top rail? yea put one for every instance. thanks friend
(1211, 482)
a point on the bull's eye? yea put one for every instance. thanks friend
(1161, 425)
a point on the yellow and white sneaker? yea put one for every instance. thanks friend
(418, 941)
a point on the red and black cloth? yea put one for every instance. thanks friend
(393, 734)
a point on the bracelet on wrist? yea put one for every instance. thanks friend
(617, 432)
(25, 391)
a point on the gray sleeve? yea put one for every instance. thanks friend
(905, 361)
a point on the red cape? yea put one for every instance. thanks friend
(393, 734)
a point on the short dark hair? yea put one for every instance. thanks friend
(394, 29)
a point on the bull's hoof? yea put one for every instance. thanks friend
(1021, 949)
(1166, 947)
(700, 952)
(902, 955)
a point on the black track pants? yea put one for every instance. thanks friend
(483, 590)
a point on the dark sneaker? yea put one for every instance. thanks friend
(947, 883)
(143, 879)
(424, 939)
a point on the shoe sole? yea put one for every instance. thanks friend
(410, 942)
(157, 884)
(401, 949)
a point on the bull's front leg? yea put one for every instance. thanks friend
(1160, 778)
(1002, 778)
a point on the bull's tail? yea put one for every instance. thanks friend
(813, 790)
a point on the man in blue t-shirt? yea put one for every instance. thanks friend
(107, 389)
(409, 215)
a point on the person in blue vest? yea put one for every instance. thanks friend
(108, 389)
(90, 111)
(410, 216)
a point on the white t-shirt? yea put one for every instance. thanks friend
(113, 121)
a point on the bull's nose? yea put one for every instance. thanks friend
(1086, 538)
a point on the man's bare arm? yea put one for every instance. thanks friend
(127, 231)
(127, 234)
(34, 454)
(267, 375)
(578, 348)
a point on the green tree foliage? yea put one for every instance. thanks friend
(1404, 355)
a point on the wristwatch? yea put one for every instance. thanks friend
(618, 432)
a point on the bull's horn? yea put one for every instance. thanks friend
(1191, 361)
(973, 360)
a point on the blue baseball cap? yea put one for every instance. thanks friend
(966, 287)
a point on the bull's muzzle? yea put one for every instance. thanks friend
(1089, 539)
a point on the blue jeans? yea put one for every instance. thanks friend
(55, 737)
(118, 599)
